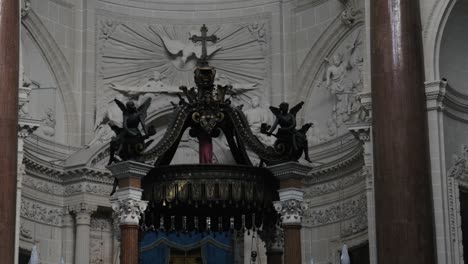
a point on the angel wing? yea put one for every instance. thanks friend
(121, 106)
(326, 62)
(296, 108)
(174, 47)
(275, 110)
(142, 109)
(239, 88)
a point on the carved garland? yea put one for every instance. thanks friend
(336, 212)
(41, 213)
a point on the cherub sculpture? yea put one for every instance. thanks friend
(290, 141)
(129, 141)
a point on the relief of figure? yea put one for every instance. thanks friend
(336, 78)
(256, 116)
(48, 127)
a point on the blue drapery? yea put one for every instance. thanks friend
(216, 248)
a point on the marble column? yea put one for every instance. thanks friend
(291, 207)
(9, 63)
(128, 206)
(83, 214)
(403, 201)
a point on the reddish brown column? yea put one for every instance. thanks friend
(274, 257)
(404, 217)
(292, 244)
(291, 207)
(129, 253)
(9, 61)
(127, 204)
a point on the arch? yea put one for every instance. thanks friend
(60, 69)
(432, 33)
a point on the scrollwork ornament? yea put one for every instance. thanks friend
(129, 210)
(291, 211)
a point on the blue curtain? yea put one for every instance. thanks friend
(216, 248)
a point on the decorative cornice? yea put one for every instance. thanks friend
(128, 169)
(290, 170)
(27, 126)
(435, 94)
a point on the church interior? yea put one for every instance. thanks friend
(233, 131)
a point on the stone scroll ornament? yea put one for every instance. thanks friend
(289, 140)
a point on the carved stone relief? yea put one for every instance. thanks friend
(336, 185)
(336, 212)
(43, 186)
(337, 90)
(41, 213)
(98, 189)
(350, 12)
(140, 59)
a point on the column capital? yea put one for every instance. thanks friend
(83, 212)
(129, 210)
(291, 206)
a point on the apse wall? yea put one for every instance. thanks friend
(454, 68)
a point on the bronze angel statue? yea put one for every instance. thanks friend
(129, 142)
(290, 141)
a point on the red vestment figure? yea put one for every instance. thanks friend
(205, 151)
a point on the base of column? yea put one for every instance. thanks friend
(129, 253)
(274, 257)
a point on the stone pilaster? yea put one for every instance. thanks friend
(68, 239)
(26, 126)
(291, 207)
(82, 214)
(128, 206)
(363, 133)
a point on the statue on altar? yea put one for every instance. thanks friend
(288, 139)
(129, 142)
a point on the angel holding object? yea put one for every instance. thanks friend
(129, 142)
(290, 141)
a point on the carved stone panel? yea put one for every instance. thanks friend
(141, 58)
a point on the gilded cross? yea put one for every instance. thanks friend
(203, 39)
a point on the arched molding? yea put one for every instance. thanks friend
(60, 69)
(328, 43)
(433, 32)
